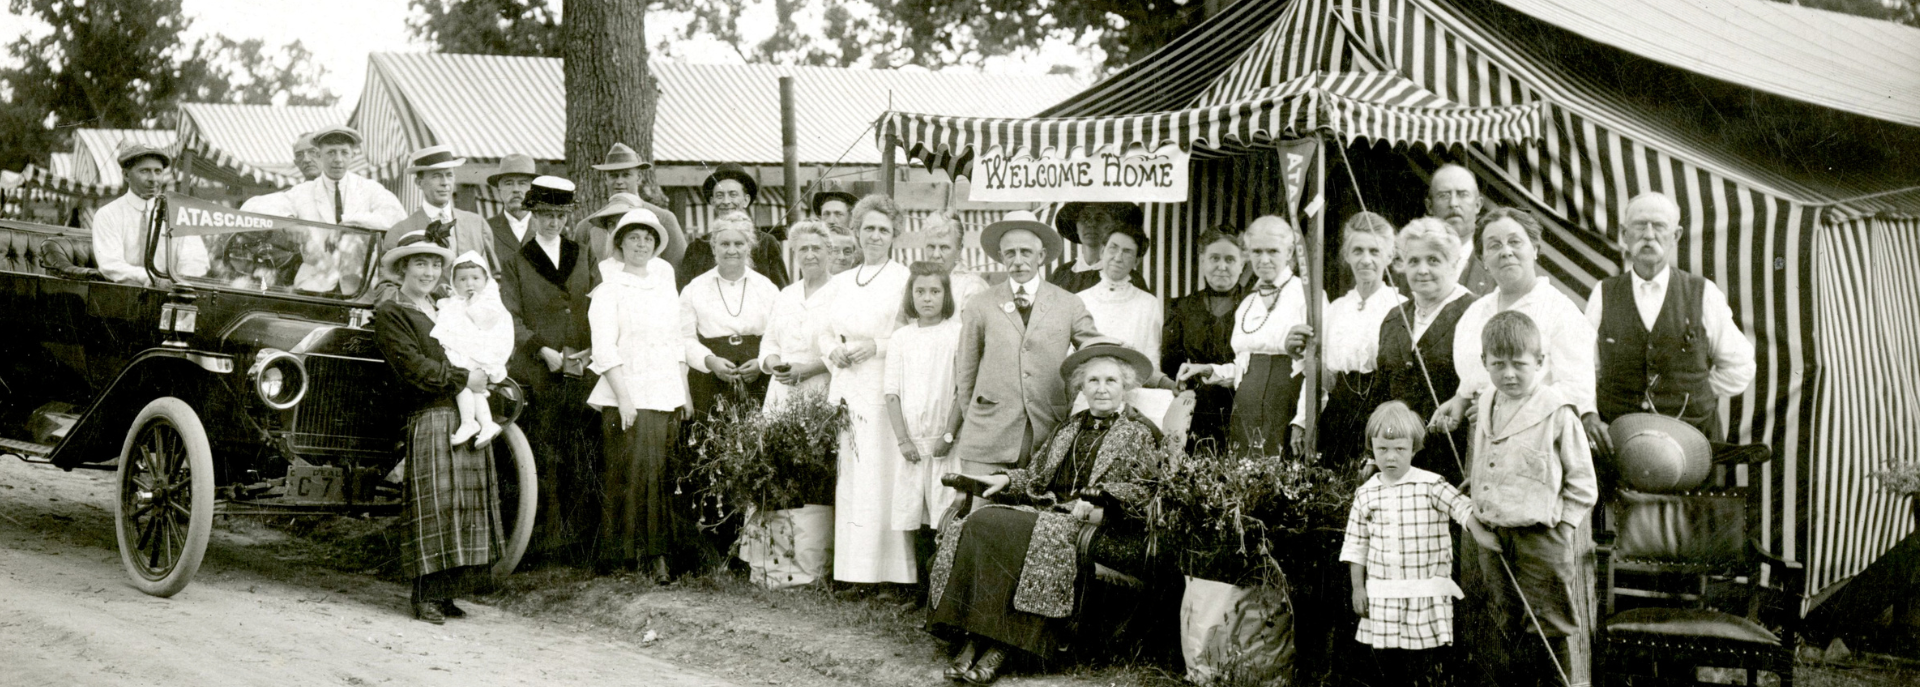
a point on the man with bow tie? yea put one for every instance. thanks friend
(433, 170)
(1668, 342)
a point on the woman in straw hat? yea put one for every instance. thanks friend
(452, 505)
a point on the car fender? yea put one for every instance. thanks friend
(191, 376)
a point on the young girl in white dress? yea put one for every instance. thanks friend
(477, 332)
(919, 388)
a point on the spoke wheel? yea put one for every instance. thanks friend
(164, 513)
(527, 499)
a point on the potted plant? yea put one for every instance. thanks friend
(775, 469)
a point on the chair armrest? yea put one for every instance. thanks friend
(965, 484)
(1791, 574)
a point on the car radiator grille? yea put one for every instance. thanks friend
(348, 407)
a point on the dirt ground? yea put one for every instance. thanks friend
(322, 606)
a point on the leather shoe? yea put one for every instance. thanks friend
(957, 670)
(429, 611)
(449, 610)
(987, 669)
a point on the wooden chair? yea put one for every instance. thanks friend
(1685, 586)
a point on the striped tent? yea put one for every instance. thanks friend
(1815, 262)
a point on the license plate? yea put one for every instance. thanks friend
(316, 484)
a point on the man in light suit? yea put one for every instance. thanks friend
(334, 261)
(433, 171)
(512, 228)
(1013, 337)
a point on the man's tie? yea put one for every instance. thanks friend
(337, 212)
(1023, 304)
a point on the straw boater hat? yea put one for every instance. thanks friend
(1024, 221)
(130, 150)
(622, 157)
(412, 243)
(666, 241)
(1659, 454)
(1108, 347)
(548, 191)
(832, 193)
(1068, 218)
(431, 158)
(735, 172)
(320, 136)
(515, 165)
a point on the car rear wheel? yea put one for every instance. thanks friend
(526, 499)
(164, 513)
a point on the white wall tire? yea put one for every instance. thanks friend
(163, 507)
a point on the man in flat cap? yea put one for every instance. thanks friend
(513, 226)
(730, 188)
(333, 261)
(433, 170)
(120, 227)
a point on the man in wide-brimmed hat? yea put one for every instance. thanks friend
(731, 188)
(513, 226)
(433, 169)
(1013, 338)
(120, 227)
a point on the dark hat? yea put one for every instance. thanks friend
(1107, 347)
(433, 157)
(735, 172)
(130, 150)
(549, 191)
(513, 165)
(821, 197)
(1067, 220)
(320, 136)
(622, 157)
(1659, 454)
(1020, 220)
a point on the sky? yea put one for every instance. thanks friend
(341, 33)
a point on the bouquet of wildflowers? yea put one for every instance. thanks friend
(769, 460)
(1240, 516)
(1902, 477)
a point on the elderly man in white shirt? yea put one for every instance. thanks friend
(1667, 340)
(120, 227)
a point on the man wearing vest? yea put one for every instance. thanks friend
(512, 227)
(1668, 342)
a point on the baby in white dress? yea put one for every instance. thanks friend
(477, 333)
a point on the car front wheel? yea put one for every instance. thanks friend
(164, 513)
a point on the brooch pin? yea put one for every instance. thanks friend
(1008, 306)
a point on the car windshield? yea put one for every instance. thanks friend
(222, 248)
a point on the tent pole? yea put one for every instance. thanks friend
(1314, 232)
(790, 151)
(886, 165)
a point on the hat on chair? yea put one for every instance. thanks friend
(1659, 454)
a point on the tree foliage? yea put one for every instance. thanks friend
(529, 28)
(125, 64)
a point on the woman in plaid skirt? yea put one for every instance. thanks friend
(452, 509)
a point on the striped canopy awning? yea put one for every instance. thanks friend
(1377, 106)
(39, 177)
(213, 163)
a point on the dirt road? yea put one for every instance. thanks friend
(67, 616)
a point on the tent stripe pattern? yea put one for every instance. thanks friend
(36, 175)
(223, 166)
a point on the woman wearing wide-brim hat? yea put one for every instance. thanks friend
(451, 509)
(639, 350)
(595, 232)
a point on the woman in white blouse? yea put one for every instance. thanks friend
(1349, 388)
(862, 313)
(1269, 332)
(1120, 309)
(786, 351)
(730, 306)
(639, 350)
(1508, 241)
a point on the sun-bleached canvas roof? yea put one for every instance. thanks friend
(487, 107)
(94, 152)
(257, 135)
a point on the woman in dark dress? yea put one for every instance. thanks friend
(1427, 250)
(1006, 576)
(1350, 326)
(1269, 334)
(1199, 329)
(452, 504)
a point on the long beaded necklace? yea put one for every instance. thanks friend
(731, 311)
(1270, 307)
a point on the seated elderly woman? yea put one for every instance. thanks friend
(1006, 576)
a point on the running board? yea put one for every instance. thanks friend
(26, 450)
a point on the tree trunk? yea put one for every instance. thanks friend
(610, 93)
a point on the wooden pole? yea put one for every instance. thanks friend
(886, 165)
(790, 150)
(1313, 230)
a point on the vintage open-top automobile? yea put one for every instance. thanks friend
(247, 383)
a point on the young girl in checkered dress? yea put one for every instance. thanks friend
(1400, 553)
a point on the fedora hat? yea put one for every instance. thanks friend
(412, 243)
(1021, 220)
(1108, 347)
(548, 191)
(320, 136)
(130, 150)
(1067, 220)
(513, 165)
(622, 157)
(668, 241)
(433, 157)
(735, 172)
(1659, 454)
(821, 197)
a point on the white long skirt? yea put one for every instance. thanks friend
(866, 548)
(919, 499)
